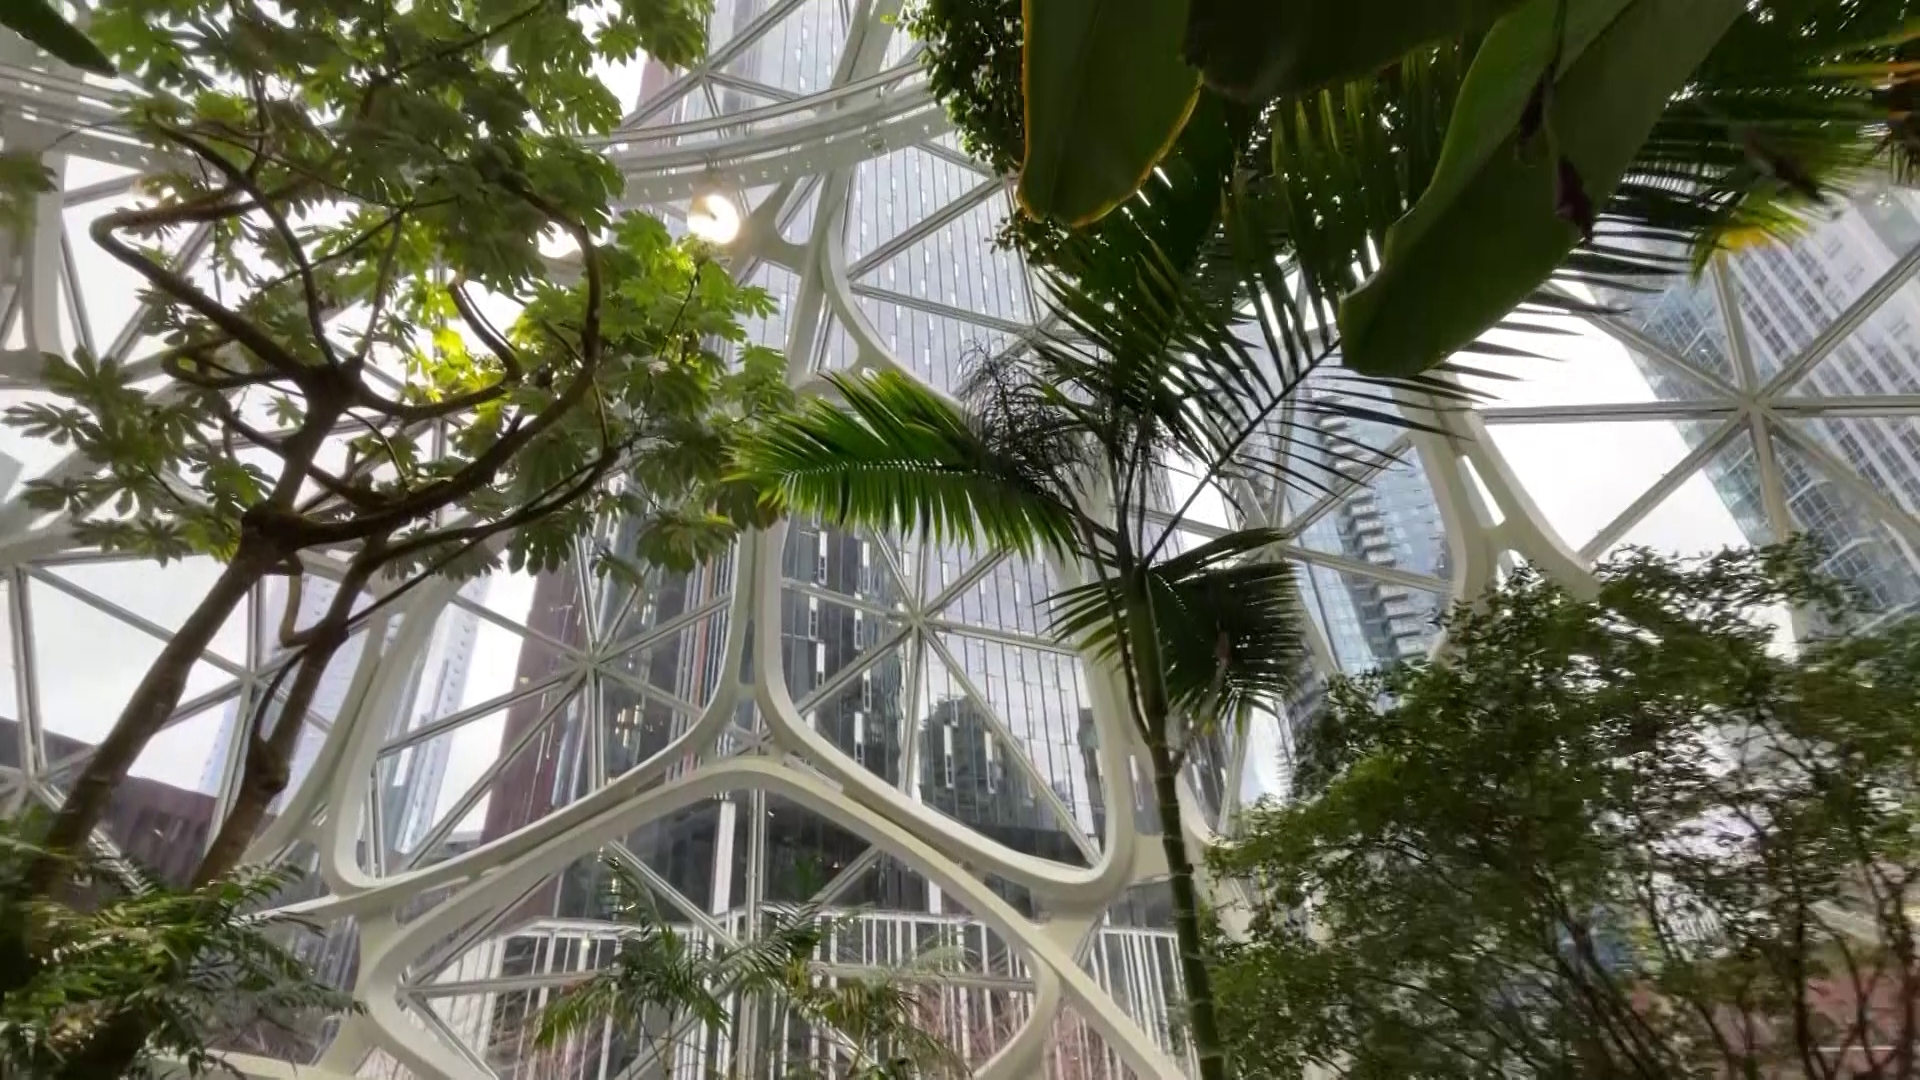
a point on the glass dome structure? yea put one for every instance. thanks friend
(867, 721)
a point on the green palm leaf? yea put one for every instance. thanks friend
(1227, 618)
(655, 971)
(899, 458)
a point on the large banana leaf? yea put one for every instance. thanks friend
(1106, 95)
(40, 23)
(1255, 50)
(1490, 228)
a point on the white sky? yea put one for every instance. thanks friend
(1581, 475)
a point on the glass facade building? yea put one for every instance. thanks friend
(1797, 322)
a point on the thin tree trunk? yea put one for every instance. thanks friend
(269, 760)
(1203, 1024)
(117, 1046)
(145, 713)
(1150, 698)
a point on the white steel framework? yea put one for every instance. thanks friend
(420, 907)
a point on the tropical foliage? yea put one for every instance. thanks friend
(175, 968)
(665, 992)
(1151, 381)
(1625, 835)
(418, 340)
(973, 65)
(1340, 121)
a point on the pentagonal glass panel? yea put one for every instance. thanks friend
(1042, 698)
(1682, 317)
(824, 560)
(1011, 595)
(509, 768)
(1391, 521)
(804, 851)
(634, 611)
(1624, 459)
(1860, 548)
(685, 847)
(928, 338)
(1882, 450)
(825, 641)
(1718, 506)
(637, 725)
(86, 666)
(1368, 622)
(164, 597)
(795, 55)
(782, 286)
(162, 815)
(911, 193)
(1574, 364)
(1880, 358)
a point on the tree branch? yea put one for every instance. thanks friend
(182, 290)
(239, 178)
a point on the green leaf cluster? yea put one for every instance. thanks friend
(1631, 834)
(383, 185)
(1645, 154)
(667, 991)
(186, 966)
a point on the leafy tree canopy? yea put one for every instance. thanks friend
(412, 248)
(393, 317)
(1627, 836)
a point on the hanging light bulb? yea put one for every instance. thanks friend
(713, 217)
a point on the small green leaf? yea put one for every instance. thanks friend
(1255, 50)
(1487, 231)
(1106, 94)
(41, 24)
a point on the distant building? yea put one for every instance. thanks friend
(1392, 522)
(159, 827)
(1791, 294)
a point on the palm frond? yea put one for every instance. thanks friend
(138, 962)
(788, 941)
(1799, 98)
(1227, 616)
(899, 458)
(655, 970)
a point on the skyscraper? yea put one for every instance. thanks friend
(1392, 522)
(1790, 295)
